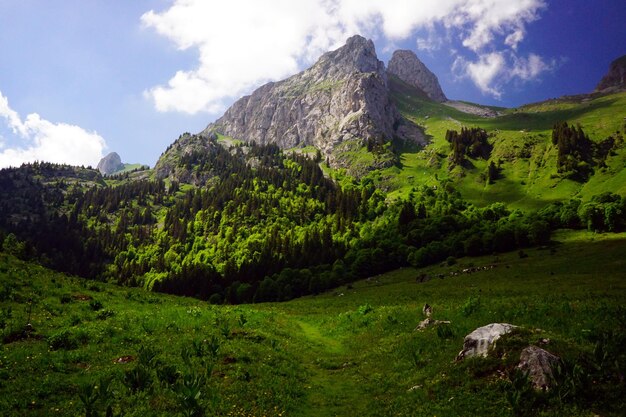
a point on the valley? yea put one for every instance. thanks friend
(282, 260)
(350, 350)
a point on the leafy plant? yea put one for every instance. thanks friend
(137, 379)
(95, 305)
(213, 345)
(365, 309)
(167, 374)
(471, 306)
(88, 395)
(520, 393)
(188, 392)
(146, 356)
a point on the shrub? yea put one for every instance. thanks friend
(105, 314)
(470, 306)
(365, 309)
(137, 379)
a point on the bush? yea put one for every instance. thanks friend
(137, 379)
(105, 314)
(470, 306)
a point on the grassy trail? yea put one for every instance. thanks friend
(333, 385)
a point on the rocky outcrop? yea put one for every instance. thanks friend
(110, 164)
(615, 79)
(405, 65)
(539, 364)
(342, 98)
(177, 161)
(478, 342)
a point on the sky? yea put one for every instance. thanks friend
(82, 78)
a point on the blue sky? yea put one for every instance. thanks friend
(81, 78)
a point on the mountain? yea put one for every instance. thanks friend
(110, 164)
(616, 77)
(405, 65)
(339, 105)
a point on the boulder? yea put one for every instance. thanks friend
(478, 342)
(539, 364)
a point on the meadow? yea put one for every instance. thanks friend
(77, 347)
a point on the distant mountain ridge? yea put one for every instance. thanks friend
(616, 76)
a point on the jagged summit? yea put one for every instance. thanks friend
(358, 54)
(616, 77)
(110, 164)
(343, 97)
(405, 65)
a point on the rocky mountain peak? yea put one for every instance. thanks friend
(616, 77)
(343, 99)
(405, 65)
(358, 54)
(110, 164)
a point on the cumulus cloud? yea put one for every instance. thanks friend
(484, 71)
(42, 140)
(244, 43)
(491, 71)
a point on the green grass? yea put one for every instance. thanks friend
(521, 139)
(351, 351)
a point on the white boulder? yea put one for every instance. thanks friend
(478, 342)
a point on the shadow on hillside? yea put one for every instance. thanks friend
(545, 120)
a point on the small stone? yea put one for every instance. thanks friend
(427, 310)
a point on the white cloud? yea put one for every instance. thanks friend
(46, 141)
(485, 71)
(529, 68)
(244, 43)
(493, 70)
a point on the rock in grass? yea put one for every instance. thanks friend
(478, 342)
(427, 310)
(430, 322)
(539, 364)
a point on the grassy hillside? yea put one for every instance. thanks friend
(352, 351)
(522, 147)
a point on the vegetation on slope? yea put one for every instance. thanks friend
(77, 347)
(529, 175)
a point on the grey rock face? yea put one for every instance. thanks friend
(341, 97)
(110, 164)
(539, 364)
(478, 342)
(616, 77)
(405, 65)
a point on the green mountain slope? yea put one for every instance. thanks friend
(522, 147)
(71, 346)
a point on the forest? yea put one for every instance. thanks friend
(268, 225)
